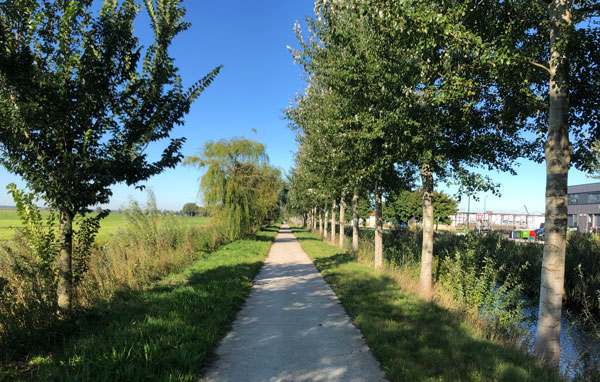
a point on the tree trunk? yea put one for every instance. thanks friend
(557, 149)
(320, 222)
(333, 221)
(378, 227)
(314, 227)
(355, 227)
(427, 246)
(325, 222)
(342, 212)
(65, 274)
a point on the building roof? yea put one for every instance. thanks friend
(590, 187)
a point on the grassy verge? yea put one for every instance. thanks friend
(415, 340)
(163, 333)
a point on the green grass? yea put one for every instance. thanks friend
(164, 333)
(9, 219)
(415, 340)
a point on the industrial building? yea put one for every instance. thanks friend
(497, 220)
(584, 207)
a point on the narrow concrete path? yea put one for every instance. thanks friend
(292, 328)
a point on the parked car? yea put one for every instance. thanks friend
(539, 233)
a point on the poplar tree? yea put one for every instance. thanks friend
(554, 53)
(79, 105)
(363, 127)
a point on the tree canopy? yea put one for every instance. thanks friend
(239, 187)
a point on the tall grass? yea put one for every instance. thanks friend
(512, 260)
(147, 248)
(468, 280)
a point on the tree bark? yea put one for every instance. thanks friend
(314, 222)
(65, 274)
(378, 227)
(333, 221)
(427, 245)
(325, 222)
(320, 222)
(557, 149)
(355, 227)
(342, 212)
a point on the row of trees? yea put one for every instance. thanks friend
(192, 209)
(402, 91)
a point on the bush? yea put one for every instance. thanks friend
(582, 271)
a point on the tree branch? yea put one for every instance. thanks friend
(540, 66)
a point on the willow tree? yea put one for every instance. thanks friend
(79, 105)
(239, 186)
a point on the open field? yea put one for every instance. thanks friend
(9, 219)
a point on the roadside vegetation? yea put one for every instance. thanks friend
(516, 264)
(412, 95)
(145, 248)
(415, 339)
(161, 332)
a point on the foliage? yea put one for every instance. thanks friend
(480, 288)
(405, 205)
(512, 261)
(148, 247)
(28, 268)
(239, 187)
(78, 106)
(192, 209)
(582, 272)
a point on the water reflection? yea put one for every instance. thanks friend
(574, 343)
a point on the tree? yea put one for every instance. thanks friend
(239, 186)
(405, 205)
(76, 113)
(554, 45)
(549, 76)
(441, 75)
(190, 209)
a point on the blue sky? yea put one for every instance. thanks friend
(258, 79)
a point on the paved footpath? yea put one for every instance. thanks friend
(292, 328)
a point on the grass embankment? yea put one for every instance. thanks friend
(415, 340)
(108, 226)
(163, 333)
